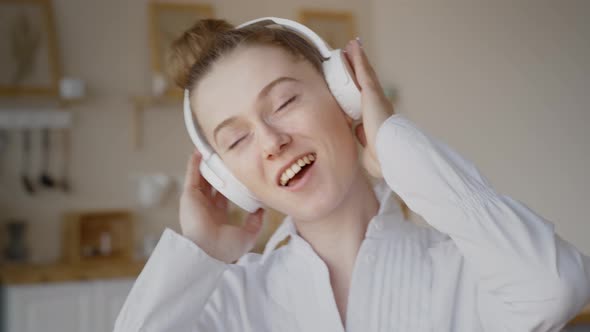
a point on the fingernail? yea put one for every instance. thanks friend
(358, 40)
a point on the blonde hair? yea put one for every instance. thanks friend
(193, 53)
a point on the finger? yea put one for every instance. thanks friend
(191, 175)
(220, 201)
(364, 71)
(194, 180)
(253, 223)
(348, 58)
(359, 131)
(366, 65)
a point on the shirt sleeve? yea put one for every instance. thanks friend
(533, 279)
(173, 288)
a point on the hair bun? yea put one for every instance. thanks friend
(187, 49)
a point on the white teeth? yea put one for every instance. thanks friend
(296, 168)
(290, 172)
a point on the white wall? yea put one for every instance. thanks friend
(506, 83)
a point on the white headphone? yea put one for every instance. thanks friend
(337, 73)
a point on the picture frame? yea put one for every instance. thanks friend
(168, 21)
(335, 27)
(29, 64)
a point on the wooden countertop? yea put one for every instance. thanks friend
(583, 317)
(17, 274)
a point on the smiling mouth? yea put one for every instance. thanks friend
(297, 170)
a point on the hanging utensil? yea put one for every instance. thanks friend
(65, 148)
(4, 140)
(44, 178)
(26, 160)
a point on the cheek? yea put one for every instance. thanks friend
(248, 170)
(341, 141)
(332, 121)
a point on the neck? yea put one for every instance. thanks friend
(337, 237)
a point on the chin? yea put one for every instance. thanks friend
(315, 206)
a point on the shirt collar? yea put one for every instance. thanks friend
(287, 227)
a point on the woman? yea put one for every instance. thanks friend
(488, 263)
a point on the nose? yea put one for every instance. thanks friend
(272, 141)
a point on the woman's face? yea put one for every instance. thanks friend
(262, 110)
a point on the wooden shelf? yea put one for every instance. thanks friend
(582, 318)
(31, 118)
(82, 232)
(18, 274)
(140, 103)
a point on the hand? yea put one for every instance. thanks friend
(376, 108)
(204, 218)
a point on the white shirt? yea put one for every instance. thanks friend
(487, 264)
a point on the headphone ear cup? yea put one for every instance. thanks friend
(340, 78)
(220, 178)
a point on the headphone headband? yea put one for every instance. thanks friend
(200, 142)
(319, 43)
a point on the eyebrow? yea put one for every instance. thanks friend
(263, 93)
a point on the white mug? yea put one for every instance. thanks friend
(72, 88)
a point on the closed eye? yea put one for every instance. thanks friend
(236, 142)
(287, 102)
(292, 99)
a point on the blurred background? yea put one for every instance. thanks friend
(93, 146)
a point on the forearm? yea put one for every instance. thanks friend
(172, 288)
(515, 253)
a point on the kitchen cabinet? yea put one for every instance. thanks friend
(89, 306)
